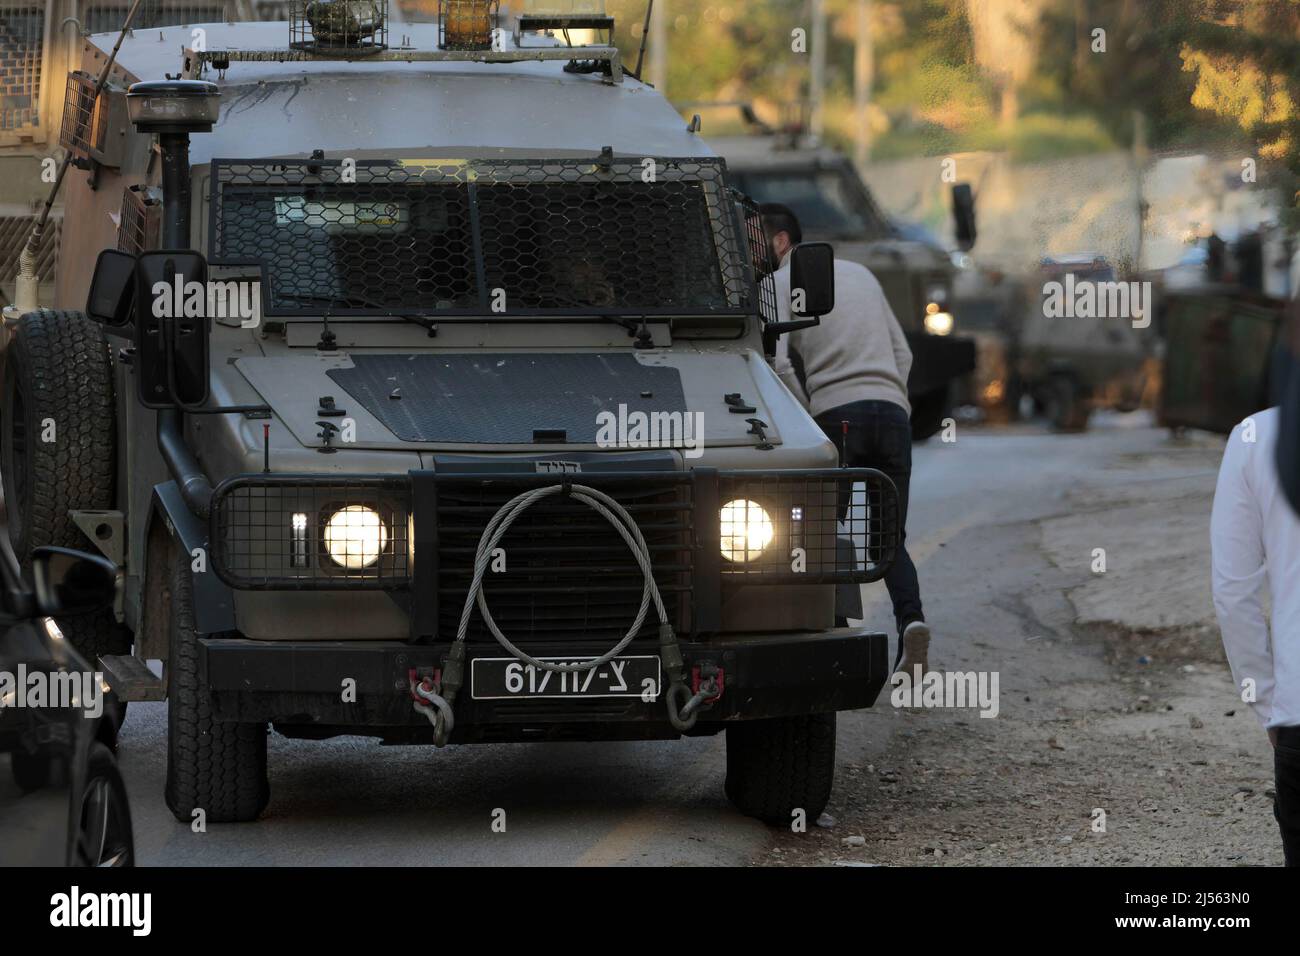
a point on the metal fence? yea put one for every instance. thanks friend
(105, 16)
(571, 236)
(22, 40)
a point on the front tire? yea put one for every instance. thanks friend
(218, 767)
(778, 766)
(1068, 407)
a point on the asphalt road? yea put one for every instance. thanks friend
(351, 801)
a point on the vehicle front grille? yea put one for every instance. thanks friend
(563, 572)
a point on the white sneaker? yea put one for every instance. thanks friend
(916, 649)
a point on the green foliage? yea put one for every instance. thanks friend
(1203, 73)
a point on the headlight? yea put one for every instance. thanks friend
(355, 537)
(936, 322)
(746, 530)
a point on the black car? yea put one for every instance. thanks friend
(62, 800)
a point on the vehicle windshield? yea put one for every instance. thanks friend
(483, 237)
(827, 201)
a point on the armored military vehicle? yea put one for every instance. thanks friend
(419, 384)
(40, 43)
(1070, 367)
(834, 204)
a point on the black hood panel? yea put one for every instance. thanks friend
(505, 397)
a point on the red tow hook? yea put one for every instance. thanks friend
(429, 682)
(697, 678)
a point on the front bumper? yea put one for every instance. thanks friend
(300, 687)
(937, 360)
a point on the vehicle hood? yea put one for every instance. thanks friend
(483, 400)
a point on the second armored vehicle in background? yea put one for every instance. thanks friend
(834, 204)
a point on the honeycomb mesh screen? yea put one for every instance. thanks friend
(485, 236)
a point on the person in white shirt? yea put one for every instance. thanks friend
(1254, 545)
(853, 368)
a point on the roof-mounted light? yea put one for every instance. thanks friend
(564, 8)
(467, 24)
(173, 106)
(578, 22)
(358, 26)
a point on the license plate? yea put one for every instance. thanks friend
(505, 678)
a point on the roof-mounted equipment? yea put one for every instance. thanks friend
(572, 20)
(467, 31)
(174, 106)
(354, 27)
(467, 24)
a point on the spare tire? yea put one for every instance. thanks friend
(58, 450)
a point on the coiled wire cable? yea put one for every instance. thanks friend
(682, 717)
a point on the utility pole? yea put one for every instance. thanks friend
(1140, 157)
(817, 91)
(659, 45)
(863, 73)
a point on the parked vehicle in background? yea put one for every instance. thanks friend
(1222, 345)
(990, 304)
(62, 799)
(835, 205)
(1071, 365)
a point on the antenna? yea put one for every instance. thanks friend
(645, 35)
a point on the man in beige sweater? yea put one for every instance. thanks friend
(853, 368)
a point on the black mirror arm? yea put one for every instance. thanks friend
(774, 330)
(169, 333)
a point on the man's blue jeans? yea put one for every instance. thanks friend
(880, 436)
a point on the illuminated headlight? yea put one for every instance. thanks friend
(746, 530)
(355, 537)
(936, 322)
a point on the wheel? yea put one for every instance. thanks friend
(57, 450)
(1067, 404)
(778, 766)
(215, 766)
(104, 836)
(928, 412)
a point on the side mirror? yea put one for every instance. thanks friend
(812, 279)
(67, 582)
(112, 288)
(963, 214)
(171, 329)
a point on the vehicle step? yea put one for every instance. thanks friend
(131, 678)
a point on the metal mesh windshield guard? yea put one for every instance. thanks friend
(299, 532)
(760, 253)
(483, 237)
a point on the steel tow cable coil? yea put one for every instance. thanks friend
(681, 716)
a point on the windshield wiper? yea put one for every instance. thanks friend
(637, 327)
(360, 302)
